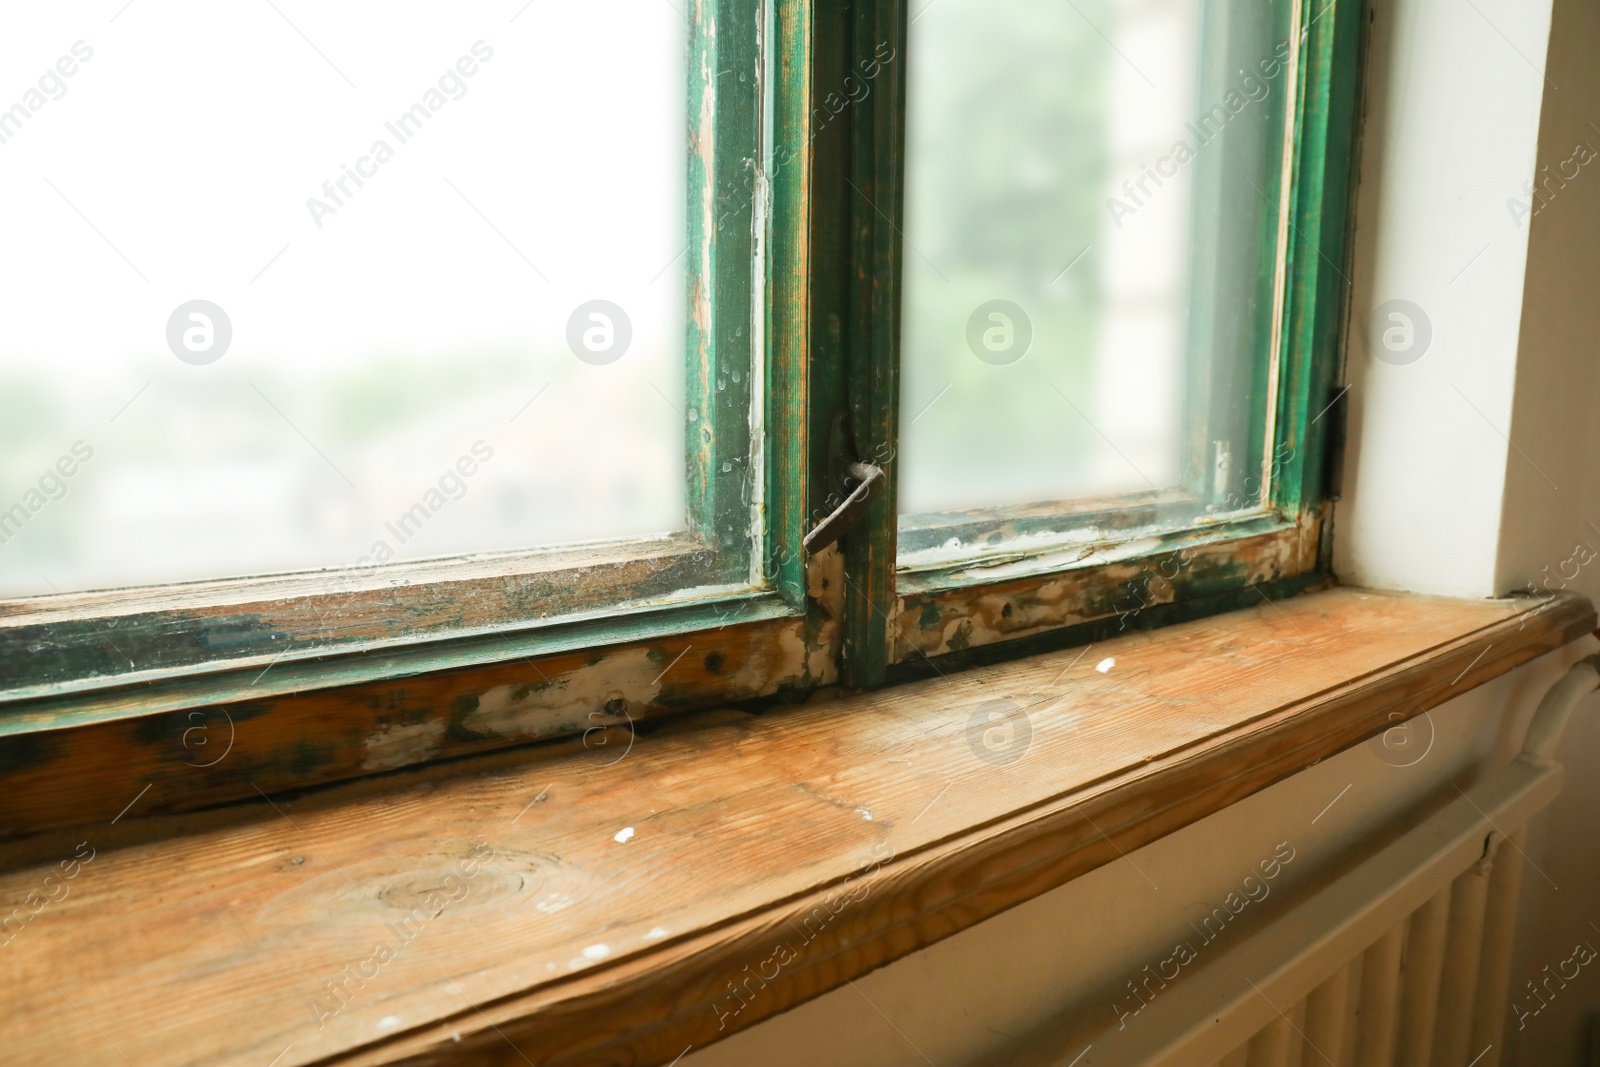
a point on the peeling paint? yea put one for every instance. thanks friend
(400, 746)
(814, 650)
(575, 703)
(934, 623)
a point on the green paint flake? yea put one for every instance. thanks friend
(962, 638)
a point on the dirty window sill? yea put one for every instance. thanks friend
(602, 907)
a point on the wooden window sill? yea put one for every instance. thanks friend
(596, 905)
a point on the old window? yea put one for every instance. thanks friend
(349, 345)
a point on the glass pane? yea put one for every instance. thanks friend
(295, 285)
(1091, 237)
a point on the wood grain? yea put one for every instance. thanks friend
(726, 867)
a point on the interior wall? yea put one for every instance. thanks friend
(1452, 119)
(1550, 531)
(1449, 472)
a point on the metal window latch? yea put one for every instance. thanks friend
(871, 482)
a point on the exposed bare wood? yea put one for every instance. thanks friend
(56, 770)
(988, 608)
(728, 867)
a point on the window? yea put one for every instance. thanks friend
(352, 344)
(1077, 229)
(304, 357)
(1099, 374)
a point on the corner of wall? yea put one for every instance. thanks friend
(1451, 123)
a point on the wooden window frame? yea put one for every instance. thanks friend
(287, 631)
(463, 662)
(901, 625)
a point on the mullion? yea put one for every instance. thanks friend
(1314, 297)
(875, 199)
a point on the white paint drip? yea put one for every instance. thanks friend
(623, 835)
(1105, 665)
(553, 903)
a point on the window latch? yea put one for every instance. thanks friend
(871, 480)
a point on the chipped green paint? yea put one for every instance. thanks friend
(1326, 150)
(725, 146)
(790, 404)
(939, 619)
(977, 607)
(858, 205)
(1081, 633)
(290, 677)
(960, 638)
(332, 625)
(460, 708)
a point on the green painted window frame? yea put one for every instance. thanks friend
(798, 198)
(901, 625)
(284, 633)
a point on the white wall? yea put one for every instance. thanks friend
(1554, 425)
(1451, 126)
(1436, 500)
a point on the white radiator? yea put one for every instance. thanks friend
(1402, 962)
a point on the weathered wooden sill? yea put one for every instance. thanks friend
(579, 906)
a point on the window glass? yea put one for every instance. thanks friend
(1091, 249)
(294, 286)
